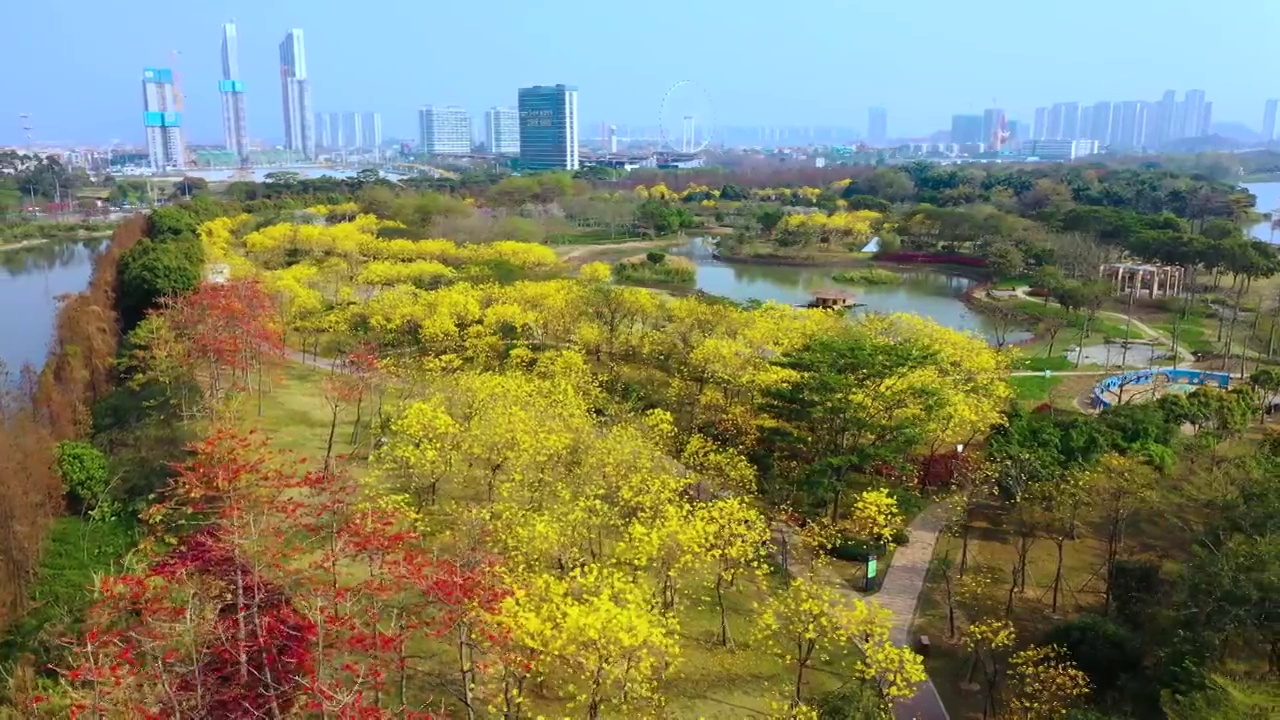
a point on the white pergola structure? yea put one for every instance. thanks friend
(1153, 281)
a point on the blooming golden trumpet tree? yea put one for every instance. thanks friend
(809, 621)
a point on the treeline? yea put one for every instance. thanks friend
(44, 408)
(87, 436)
(1187, 565)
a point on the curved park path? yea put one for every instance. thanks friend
(1183, 354)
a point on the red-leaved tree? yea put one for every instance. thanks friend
(275, 590)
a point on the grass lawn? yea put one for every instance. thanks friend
(708, 681)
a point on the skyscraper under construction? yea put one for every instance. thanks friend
(235, 130)
(162, 120)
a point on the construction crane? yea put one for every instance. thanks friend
(177, 80)
(25, 119)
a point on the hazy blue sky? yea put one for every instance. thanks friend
(802, 62)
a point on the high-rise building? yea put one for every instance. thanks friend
(1071, 121)
(1166, 120)
(548, 127)
(372, 131)
(1269, 121)
(324, 138)
(1086, 121)
(162, 121)
(235, 129)
(337, 135)
(1129, 125)
(502, 131)
(1099, 127)
(966, 129)
(1206, 120)
(299, 130)
(993, 127)
(352, 129)
(1041, 127)
(444, 130)
(1193, 117)
(877, 125)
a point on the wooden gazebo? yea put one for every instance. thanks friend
(831, 299)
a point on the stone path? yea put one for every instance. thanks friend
(900, 594)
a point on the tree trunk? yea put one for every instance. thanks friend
(725, 640)
(1057, 574)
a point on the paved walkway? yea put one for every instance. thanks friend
(900, 594)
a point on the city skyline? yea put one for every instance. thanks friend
(355, 70)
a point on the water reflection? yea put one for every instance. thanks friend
(31, 280)
(930, 293)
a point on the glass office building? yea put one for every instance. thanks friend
(549, 127)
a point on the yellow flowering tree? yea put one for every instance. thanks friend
(1043, 685)
(592, 636)
(732, 534)
(810, 621)
(874, 515)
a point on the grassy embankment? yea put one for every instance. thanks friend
(25, 234)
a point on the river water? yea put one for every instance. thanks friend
(926, 292)
(31, 280)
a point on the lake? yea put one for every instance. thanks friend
(926, 292)
(31, 279)
(1268, 194)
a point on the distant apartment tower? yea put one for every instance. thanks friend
(162, 121)
(352, 130)
(1269, 121)
(444, 130)
(966, 129)
(1193, 118)
(235, 128)
(877, 125)
(1130, 124)
(324, 138)
(372, 131)
(1099, 127)
(1041, 126)
(993, 128)
(502, 131)
(1165, 121)
(299, 132)
(548, 127)
(1063, 122)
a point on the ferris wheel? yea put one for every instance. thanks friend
(688, 104)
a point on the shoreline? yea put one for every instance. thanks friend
(46, 241)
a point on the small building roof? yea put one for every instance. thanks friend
(832, 294)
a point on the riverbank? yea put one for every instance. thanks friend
(36, 242)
